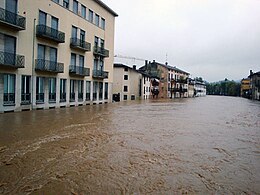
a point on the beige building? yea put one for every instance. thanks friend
(55, 53)
(130, 84)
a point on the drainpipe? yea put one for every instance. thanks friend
(34, 21)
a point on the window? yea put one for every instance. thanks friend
(9, 89)
(52, 90)
(125, 97)
(106, 91)
(125, 77)
(132, 97)
(73, 59)
(53, 56)
(9, 46)
(81, 61)
(103, 23)
(90, 16)
(126, 69)
(96, 41)
(55, 25)
(66, 4)
(83, 11)
(25, 90)
(80, 90)
(88, 83)
(102, 43)
(95, 89)
(56, 1)
(42, 18)
(144, 90)
(75, 6)
(39, 90)
(62, 90)
(74, 32)
(41, 52)
(72, 90)
(97, 20)
(125, 88)
(82, 35)
(100, 91)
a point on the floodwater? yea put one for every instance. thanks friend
(207, 145)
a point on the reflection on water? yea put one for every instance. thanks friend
(201, 145)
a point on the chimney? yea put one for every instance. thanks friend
(166, 63)
(251, 72)
(153, 61)
(134, 67)
(146, 62)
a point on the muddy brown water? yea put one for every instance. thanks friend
(203, 145)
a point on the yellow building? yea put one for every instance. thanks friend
(245, 88)
(55, 53)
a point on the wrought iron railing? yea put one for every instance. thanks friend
(79, 70)
(80, 96)
(72, 97)
(100, 74)
(39, 97)
(100, 51)
(87, 96)
(100, 96)
(12, 60)
(80, 44)
(25, 98)
(9, 98)
(94, 96)
(12, 19)
(62, 97)
(49, 66)
(50, 33)
(52, 97)
(106, 95)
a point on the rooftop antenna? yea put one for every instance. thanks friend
(166, 57)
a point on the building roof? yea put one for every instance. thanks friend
(168, 67)
(254, 74)
(106, 7)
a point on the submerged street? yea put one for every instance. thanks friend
(198, 145)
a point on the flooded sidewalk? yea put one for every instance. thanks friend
(196, 146)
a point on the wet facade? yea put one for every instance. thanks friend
(206, 145)
(55, 53)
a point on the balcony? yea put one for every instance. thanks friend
(100, 74)
(49, 66)
(9, 98)
(12, 20)
(11, 60)
(79, 71)
(25, 98)
(44, 31)
(100, 51)
(80, 44)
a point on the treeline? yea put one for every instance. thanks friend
(226, 87)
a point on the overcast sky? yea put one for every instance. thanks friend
(215, 39)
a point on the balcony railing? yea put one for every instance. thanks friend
(25, 98)
(80, 96)
(52, 97)
(100, 51)
(39, 98)
(180, 90)
(87, 96)
(80, 44)
(79, 70)
(11, 60)
(100, 74)
(12, 19)
(62, 97)
(49, 66)
(50, 33)
(9, 98)
(72, 97)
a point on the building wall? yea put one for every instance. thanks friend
(133, 84)
(27, 43)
